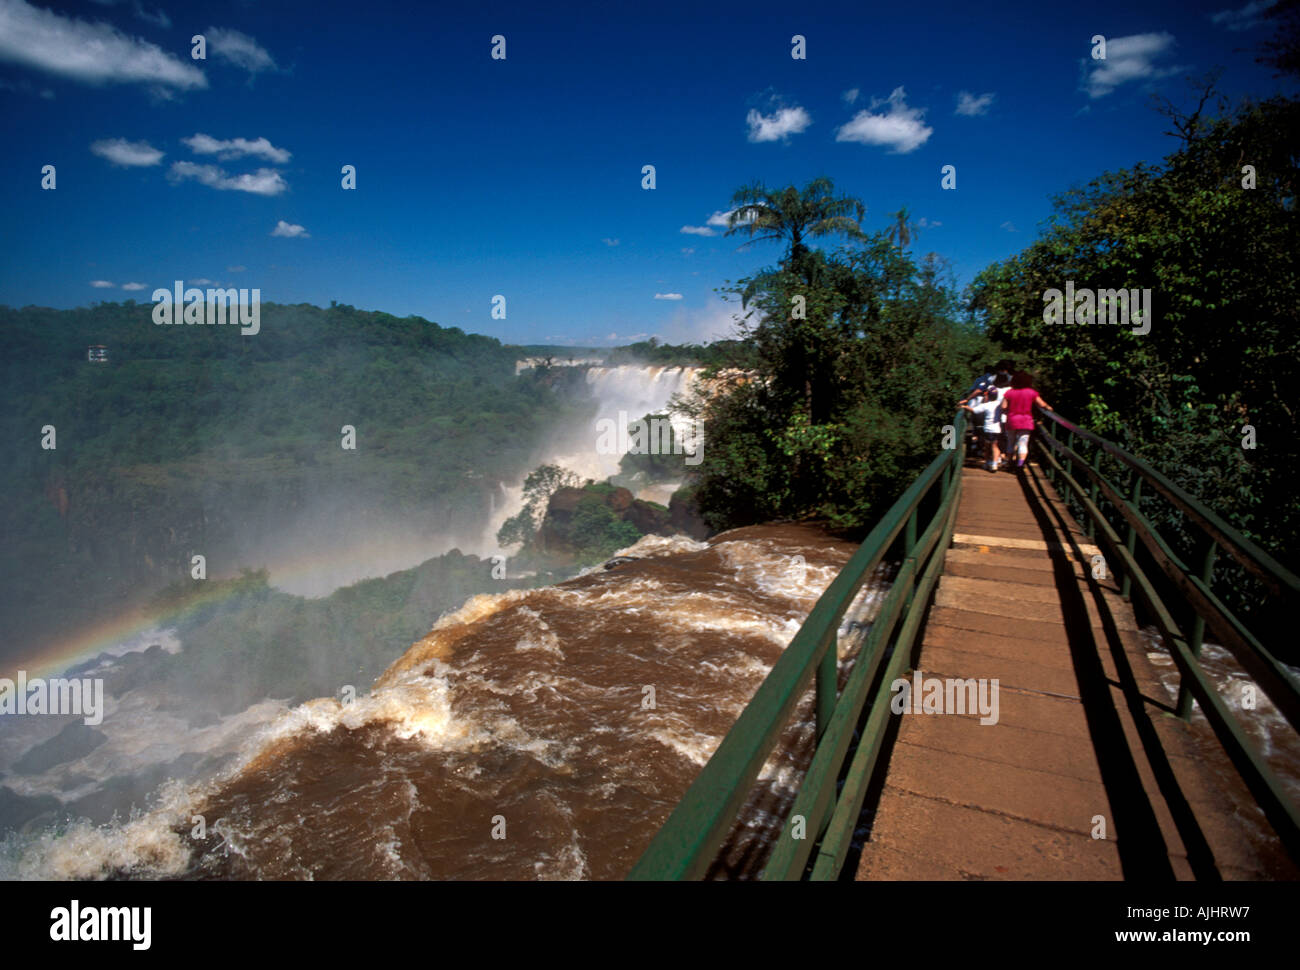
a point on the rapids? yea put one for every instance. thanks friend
(532, 734)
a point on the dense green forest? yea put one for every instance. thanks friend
(1217, 248)
(192, 439)
(718, 354)
(860, 353)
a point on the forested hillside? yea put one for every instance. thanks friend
(196, 439)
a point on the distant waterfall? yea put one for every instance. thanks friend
(636, 390)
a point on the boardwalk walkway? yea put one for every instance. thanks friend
(1085, 734)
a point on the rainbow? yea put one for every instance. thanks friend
(53, 658)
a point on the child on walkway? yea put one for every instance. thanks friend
(991, 412)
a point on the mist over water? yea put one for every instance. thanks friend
(162, 739)
(577, 713)
(330, 544)
(631, 390)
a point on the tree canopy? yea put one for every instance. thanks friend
(1212, 232)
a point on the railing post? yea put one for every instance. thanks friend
(909, 543)
(1051, 469)
(1092, 490)
(1198, 628)
(1130, 541)
(958, 458)
(828, 673)
(1069, 464)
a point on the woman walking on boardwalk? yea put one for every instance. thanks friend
(1019, 406)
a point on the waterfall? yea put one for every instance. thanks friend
(634, 389)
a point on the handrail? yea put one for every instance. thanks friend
(687, 843)
(1276, 577)
(851, 725)
(1195, 589)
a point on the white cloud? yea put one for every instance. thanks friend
(850, 95)
(265, 181)
(1245, 17)
(972, 106)
(239, 49)
(668, 296)
(290, 231)
(1128, 59)
(135, 286)
(610, 242)
(723, 219)
(102, 284)
(924, 223)
(236, 269)
(1008, 227)
(201, 144)
(92, 53)
(713, 321)
(688, 250)
(125, 153)
(720, 218)
(900, 128)
(159, 18)
(778, 126)
(203, 281)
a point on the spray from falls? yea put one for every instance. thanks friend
(532, 734)
(629, 390)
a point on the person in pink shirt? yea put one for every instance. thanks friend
(1018, 404)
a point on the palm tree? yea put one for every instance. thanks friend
(903, 231)
(791, 215)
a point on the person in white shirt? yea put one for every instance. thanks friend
(990, 411)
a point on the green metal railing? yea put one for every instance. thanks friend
(1071, 453)
(820, 823)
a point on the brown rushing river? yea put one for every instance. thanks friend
(533, 734)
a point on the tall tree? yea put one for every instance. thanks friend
(791, 215)
(1282, 51)
(849, 396)
(1211, 233)
(903, 231)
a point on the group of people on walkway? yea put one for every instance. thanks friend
(1003, 398)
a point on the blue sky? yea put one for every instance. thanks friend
(522, 177)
